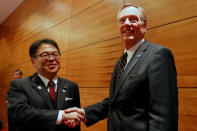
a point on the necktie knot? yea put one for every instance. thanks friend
(124, 59)
(122, 62)
(51, 84)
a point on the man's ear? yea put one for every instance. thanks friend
(32, 60)
(145, 26)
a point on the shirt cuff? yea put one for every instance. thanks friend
(59, 118)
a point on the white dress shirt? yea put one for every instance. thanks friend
(132, 50)
(55, 80)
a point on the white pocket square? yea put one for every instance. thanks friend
(68, 98)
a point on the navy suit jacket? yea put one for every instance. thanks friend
(31, 108)
(145, 98)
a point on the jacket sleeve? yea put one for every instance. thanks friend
(96, 112)
(77, 95)
(23, 113)
(163, 104)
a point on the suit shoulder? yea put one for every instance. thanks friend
(22, 80)
(19, 84)
(67, 81)
(158, 48)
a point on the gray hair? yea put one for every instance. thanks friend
(140, 9)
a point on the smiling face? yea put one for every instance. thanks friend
(132, 28)
(46, 67)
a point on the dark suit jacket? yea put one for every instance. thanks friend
(146, 95)
(31, 108)
(11, 124)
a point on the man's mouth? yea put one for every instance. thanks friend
(52, 65)
(128, 31)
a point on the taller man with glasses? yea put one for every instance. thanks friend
(37, 103)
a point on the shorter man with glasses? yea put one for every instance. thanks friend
(38, 102)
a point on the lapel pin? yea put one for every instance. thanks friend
(68, 98)
(65, 87)
(138, 55)
(63, 91)
(39, 87)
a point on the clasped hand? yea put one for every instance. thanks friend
(73, 116)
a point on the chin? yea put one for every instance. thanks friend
(54, 70)
(125, 38)
(129, 40)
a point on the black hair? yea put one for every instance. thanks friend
(21, 73)
(33, 48)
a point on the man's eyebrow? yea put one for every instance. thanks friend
(50, 52)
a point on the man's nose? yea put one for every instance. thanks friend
(127, 22)
(51, 57)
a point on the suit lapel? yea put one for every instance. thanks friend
(111, 92)
(39, 86)
(136, 57)
(61, 90)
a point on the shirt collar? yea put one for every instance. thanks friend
(132, 50)
(46, 81)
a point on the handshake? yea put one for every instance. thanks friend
(73, 116)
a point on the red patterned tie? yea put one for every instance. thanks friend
(51, 86)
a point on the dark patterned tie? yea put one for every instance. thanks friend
(120, 68)
(51, 86)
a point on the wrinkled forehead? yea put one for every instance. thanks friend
(129, 11)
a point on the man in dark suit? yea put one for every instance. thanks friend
(17, 74)
(143, 91)
(37, 103)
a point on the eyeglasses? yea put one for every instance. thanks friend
(45, 55)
